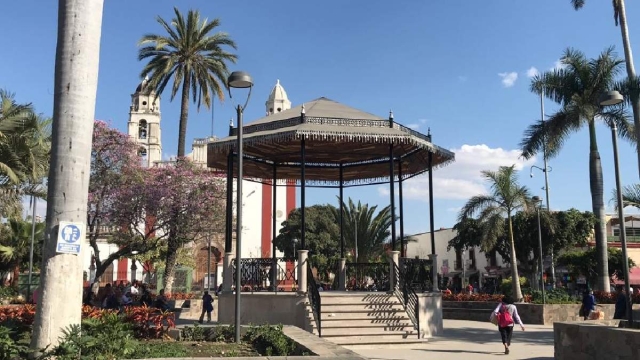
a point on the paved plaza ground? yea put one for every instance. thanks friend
(474, 340)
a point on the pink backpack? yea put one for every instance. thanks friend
(504, 317)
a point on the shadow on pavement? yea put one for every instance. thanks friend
(483, 336)
(462, 351)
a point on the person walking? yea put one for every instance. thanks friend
(207, 306)
(620, 311)
(505, 314)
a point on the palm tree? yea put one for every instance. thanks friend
(630, 196)
(74, 100)
(620, 18)
(576, 88)
(14, 249)
(372, 229)
(193, 57)
(15, 121)
(505, 198)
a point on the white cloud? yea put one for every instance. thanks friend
(558, 65)
(532, 72)
(423, 121)
(462, 179)
(413, 126)
(508, 79)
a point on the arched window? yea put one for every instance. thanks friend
(142, 152)
(142, 129)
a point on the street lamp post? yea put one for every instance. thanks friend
(538, 202)
(608, 99)
(239, 80)
(356, 235)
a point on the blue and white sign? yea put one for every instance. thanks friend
(69, 237)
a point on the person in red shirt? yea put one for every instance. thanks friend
(470, 289)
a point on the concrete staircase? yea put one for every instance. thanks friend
(363, 320)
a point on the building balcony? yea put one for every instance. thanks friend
(631, 239)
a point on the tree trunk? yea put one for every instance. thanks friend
(184, 113)
(597, 203)
(631, 71)
(515, 278)
(170, 266)
(74, 99)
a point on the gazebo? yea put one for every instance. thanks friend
(323, 143)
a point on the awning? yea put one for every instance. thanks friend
(634, 277)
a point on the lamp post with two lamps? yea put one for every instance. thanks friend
(611, 98)
(546, 169)
(537, 201)
(239, 80)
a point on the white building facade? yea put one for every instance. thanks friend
(458, 268)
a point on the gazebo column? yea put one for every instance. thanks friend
(392, 196)
(342, 264)
(303, 253)
(403, 252)
(434, 256)
(274, 203)
(227, 269)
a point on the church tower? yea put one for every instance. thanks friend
(144, 123)
(278, 100)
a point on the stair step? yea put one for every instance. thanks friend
(368, 298)
(369, 339)
(363, 323)
(362, 306)
(399, 331)
(385, 344)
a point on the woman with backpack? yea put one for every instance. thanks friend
(505, 314)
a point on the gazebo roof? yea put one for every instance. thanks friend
(336, 136)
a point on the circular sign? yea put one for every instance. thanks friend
(70, 234)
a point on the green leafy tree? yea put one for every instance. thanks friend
(505, 198)
(577, 88)
(468, 235)
(15, 246)
(633, 96)
(584, 263)
(322, 236)
(194, 57)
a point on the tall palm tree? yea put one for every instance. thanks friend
(193, 57)
(620, 18)
(505, 198)
(15, 123)
(371, 229)
(74, 101)
(576, 88)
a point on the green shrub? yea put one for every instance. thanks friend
(505, 286)
(270, 340)
(7, 292)
(553, 296)
(14, 344)
(154, 349)
(195, 333)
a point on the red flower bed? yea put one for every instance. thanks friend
(478, 297)
(182, 296)
(149, 322)
(611, 298)
(23, 314)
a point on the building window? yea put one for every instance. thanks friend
(142, 129)
(458, 263)
(472, 258)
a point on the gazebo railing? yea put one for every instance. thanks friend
(314, 298)
(257, 275)
(407, 296)
(367, 276)
(417, 273)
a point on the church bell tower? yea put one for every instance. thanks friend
(278, 100)
(144, 123)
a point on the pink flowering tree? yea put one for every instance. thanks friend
(190, 205)
(116, 172)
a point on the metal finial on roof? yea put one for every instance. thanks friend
(429, 131)
(390, 114)
(303, 111)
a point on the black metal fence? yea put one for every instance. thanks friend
(367, 276)
(417, 273)
(256, 274)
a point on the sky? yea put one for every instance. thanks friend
(460, 68)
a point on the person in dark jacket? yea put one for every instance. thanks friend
(588, 303)
(621, 305)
